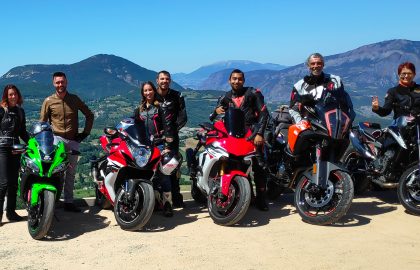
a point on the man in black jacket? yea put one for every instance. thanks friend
(251, 102)
(174, 117)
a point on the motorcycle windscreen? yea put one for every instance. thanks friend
(137, 133)
(45, 141)
(337, 123)
(235, 122)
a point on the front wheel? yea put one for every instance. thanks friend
(133, 214)
(40, 216)
(234, 208)
(409, 190)
(320, 206)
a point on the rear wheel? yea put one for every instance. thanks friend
(101, 200)
(356, 166)
(40, 216)
(324, 206)
(409, 190)
(196, 193)
(232, 210)
(133, 214)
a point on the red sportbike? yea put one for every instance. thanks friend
(124, 175)
(221, 174)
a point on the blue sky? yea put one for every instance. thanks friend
(181, 36)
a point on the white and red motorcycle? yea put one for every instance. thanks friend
(221, 173)
(124, 175)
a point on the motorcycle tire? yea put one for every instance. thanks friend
(354, 162)
(314, 209)
(133, 215)
(197, 195)
(40, 216)
(231, 211)
(101, 200)
(409, 191)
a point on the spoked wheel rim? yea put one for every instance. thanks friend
(320, 202)
(225, 208)
(129, 210)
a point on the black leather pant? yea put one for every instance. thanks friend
(9, 171)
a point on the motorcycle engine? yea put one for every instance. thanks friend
(382, 163)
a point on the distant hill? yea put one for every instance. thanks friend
(98, 76)
(194, 79)
(368, 70)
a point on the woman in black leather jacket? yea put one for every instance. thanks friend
(12, 126)
(150, 112)
(404, 98)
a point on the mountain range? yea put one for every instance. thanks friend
(195, 79)
(367, 70)
(98, 76)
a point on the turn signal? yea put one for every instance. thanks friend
(314, 168)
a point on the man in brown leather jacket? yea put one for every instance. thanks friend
(61, 111)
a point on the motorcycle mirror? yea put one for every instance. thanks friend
(207, 126)
(18, 148)
(110, 131)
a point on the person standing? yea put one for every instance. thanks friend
(174, 118)
(251, 102)
(150, 113)
(61, 111)
(12, 126)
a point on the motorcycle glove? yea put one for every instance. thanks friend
(80, 137)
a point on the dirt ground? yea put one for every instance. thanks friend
(375, 234)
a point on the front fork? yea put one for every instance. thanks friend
(226, 179)
(321, 169)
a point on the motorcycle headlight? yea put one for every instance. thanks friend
(31, 165)
(59, 168)
(141, 155)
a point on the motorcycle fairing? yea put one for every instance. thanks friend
(357, 144)
(337, 123)
(294, 131)
(395, 133)
(117, 152)
(235, 145)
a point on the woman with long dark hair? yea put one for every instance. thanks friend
(149, 111)
(12, 126)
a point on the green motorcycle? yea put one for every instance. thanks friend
(43, 164)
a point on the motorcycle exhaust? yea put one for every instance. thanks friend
(98, 176)
(385, 185)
